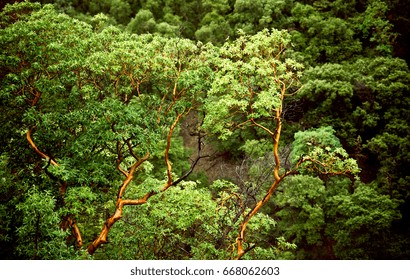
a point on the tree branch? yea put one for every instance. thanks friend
(131, 175)
(193, 164)
(167, 162)
(40, 153)
(276, 137)
(63, 188)
(102, 238)
(119, 160)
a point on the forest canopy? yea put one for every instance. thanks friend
(204, 130)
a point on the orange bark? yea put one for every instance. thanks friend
(168, 164)
(275, 137)
(75, 229)
(40, 153)
(102, 237)
(76, 232)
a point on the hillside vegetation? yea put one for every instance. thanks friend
(203, 129)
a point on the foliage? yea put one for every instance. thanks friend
(321, 153)
(171, 226)
(323, 37)
(301, 216)
(91, 112)
(39, 236)
(366, 209)
(249, 81)
(92, 94)
(365, 103)
(334, 220)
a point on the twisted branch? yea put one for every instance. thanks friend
(275, 137)
(40, 153)
(75, 229)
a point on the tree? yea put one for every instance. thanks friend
(90, 152)
(366, 104)
(258, 15)
(253, 76)
(323, 37)
(334, 219)
(121, 11)
(89, 103)
(143, 22)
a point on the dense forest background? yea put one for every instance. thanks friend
(177, 129)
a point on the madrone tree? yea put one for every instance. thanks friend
(83, 112)
(89, 111)
(253, 76)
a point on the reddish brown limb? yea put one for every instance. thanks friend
(131, 175)
(37, 95)
(275, 137)
(120, 169)
(40, 153)
(239, 240)
(76, 232)
(167, 162)
(69, 222)
(102, 238)
(63, 188)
